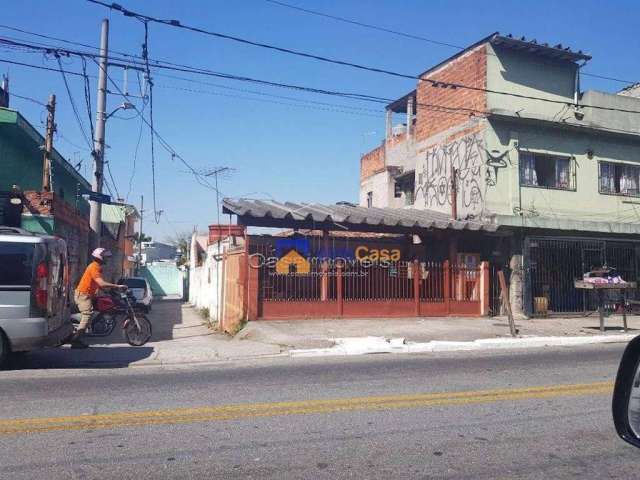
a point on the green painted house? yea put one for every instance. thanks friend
(21, 161)
(61, 211)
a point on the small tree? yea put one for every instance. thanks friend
(182, 241)
(137, 238)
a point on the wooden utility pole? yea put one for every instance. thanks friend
(454, 193)
(504, 294)
(48, 144)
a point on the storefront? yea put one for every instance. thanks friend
(347, 262)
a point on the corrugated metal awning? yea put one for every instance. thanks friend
(344, 216)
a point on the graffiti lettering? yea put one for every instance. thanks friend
(466, 156)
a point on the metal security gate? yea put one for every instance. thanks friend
(552, 265)
(357, 290)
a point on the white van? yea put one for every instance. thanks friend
(34, 292)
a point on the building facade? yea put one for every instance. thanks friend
(157, 251)
(60, 211)
(118, 230)
(501, 132)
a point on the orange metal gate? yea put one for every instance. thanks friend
(364, 289)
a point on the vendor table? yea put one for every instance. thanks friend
(601, 288)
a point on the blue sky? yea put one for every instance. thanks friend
(297, 153)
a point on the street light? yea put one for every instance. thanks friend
(123, 106)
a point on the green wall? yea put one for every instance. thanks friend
(165, 278)
(21, 161)
(583, 209)
(21, 164)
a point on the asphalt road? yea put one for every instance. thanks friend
(537, 414)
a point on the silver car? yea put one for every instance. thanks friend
(141, 290)
(34, 290)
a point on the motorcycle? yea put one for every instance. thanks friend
(109, 310)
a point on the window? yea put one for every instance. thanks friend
(369, 199)
(17, 263)
(408, 197)
(547, 171)
(404, 187)
(619, 179)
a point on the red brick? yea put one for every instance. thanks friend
(372, 162)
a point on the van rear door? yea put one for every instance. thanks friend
(16, 274)
(57, 284)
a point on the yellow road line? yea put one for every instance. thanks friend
(254, 410)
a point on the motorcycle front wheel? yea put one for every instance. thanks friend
(134, 336)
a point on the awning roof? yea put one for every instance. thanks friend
(344, 216)
(556, 52)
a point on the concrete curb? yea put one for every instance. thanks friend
(369, 345)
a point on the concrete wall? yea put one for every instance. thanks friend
(205, 282)
(486, 151)
(582, 209)
(165, 278)
(529, 75)
(610, 119)
(464, 152)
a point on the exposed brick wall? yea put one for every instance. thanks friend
(69, 225)
(220, 232)
(38, 203)
(48, 203)
(396, 140)
(470, 69)
(372, 162)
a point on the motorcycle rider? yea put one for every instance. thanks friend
(86, 290)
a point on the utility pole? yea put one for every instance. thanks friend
(140, 234)
(98, 141)
(48, 144)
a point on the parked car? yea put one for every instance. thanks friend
(626, 395)
(34, 291)
(141, 290)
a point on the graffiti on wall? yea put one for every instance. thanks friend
(433, 188)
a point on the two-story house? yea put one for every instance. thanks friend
(501, 132)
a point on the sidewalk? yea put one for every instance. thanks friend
(346, 337)
(180, 337)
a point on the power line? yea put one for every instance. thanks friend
(33, 100)
(135, 157)
(409, 35)
(162, 141)
(349, 95)
(39, 67)
(352, 95)
(87, 96)
(115, 187)
(256, 92)
(365, 25)
(73, 104)
(75, 145)
(334, 17)
(299, 105)
(178, 24)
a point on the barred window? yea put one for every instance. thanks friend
(547, 171)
